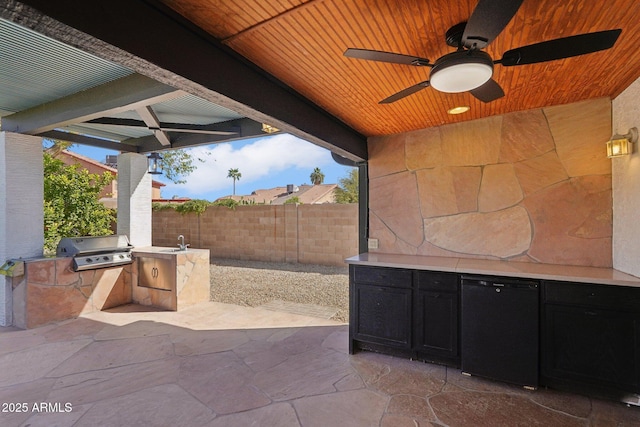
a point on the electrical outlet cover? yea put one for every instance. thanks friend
(373, 244)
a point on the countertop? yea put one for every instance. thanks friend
(166, 250)
(569, 273)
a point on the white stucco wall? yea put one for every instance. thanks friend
(21, 211)
(626, 185)
(134, 199)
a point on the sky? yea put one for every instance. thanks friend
(265, 162)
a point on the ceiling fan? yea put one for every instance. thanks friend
(469, 68)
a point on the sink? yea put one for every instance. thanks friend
(174, 250)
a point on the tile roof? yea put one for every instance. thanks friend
(306, 194)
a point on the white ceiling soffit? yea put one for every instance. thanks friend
(35, 69)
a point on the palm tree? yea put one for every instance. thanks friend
(235, 175)
(317, 177)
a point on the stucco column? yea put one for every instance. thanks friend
(626, 184)
(134, 199)
(21, 211)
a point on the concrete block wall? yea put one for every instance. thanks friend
(309, 234)
(327, 233)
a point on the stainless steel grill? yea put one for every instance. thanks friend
(96, 252)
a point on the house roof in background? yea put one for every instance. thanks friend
(306, 194)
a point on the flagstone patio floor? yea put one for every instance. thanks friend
(217, 364)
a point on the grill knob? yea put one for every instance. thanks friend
(106, 258)
(121, 256)
(89, 260)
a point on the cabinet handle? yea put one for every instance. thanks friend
(591, 313)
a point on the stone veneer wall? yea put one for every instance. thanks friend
(50, 291)
(527, 186)
(309, 234)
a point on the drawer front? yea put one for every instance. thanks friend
(604, 296)
(438, 281)
(384, 276)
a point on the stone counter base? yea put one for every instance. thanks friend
(50, 291)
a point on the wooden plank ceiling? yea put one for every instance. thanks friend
(301, 42)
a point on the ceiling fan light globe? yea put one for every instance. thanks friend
(461, 71)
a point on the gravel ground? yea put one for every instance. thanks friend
(254, 283)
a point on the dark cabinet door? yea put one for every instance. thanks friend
(383, 315)
(591, 345)
(436, 315)
(436, 322)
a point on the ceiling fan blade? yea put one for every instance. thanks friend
(488, 20)
(405, 92)
(380, 56)
(565, 47)
(490, 91)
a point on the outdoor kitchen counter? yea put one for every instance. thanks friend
(576, 329)
(525, 270)
(169, 278)
(51, 291)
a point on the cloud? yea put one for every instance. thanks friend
(255, 161)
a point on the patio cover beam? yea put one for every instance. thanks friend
(151, 120)
(160, 42)
(127, 93)
(88, 140)
(231, 130)
(212, 129)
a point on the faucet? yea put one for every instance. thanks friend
(181, 244)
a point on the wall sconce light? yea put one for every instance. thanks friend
(155, 164)
(622, 145)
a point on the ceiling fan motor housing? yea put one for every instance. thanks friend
(461, 71)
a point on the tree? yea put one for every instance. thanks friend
(295, 200)
(347, 191)
(71, 205)
(235, 175)
(317, 177)
(177, 165)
